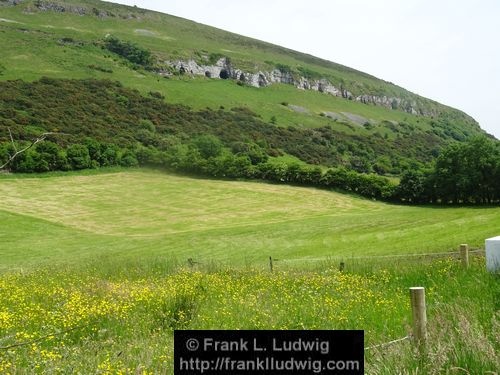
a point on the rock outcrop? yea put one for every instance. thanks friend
(61, 7)
(10, 2)
(391, 103)
(45, 6)
(223, 69)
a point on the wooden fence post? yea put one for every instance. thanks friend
(464, 255)
(418, 308)
(271, 263)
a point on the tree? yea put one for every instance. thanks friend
(110, 155)
(253, 151)
(468, 172)
(411, 187)
(129, 159)
(94, 148)
(209, 146)
(482, 163)
(78, 156)
(51, 157)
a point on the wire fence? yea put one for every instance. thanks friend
(385, 344)
(416, 255)
(343, 259)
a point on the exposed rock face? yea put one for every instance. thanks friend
(297, 108)
(48, 6)
(391, 103)
(333, 115)
(224, 70)
(360, 120)
(10, 2)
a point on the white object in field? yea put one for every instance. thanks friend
(493, 254)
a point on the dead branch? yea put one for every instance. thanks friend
(12, 140)
(33, 143)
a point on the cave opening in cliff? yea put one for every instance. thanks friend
(242, 77)
(208, 74)
(224, 74)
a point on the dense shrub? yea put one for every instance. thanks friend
(79, 157)
(253, 151)
(208, 146)
(129, 51)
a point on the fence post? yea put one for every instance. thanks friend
(271, 263)
(464, 255)
(418, 308)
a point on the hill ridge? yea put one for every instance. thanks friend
(264, 73)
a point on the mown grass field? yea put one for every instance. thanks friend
(153, 214)
(94, 277)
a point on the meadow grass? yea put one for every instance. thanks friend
(159, 215)
(125, 313)
(103, 254)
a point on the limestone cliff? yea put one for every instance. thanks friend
(223, 69)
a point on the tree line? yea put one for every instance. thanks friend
(466, 173)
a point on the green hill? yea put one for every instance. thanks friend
(150, 51)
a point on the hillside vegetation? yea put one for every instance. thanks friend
(71, 39)
(111, 113)
(98, 123)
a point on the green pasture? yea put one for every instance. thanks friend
(151, 214)
(94, 276)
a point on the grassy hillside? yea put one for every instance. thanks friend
(38, 40)
(111, 113)
(154, 215)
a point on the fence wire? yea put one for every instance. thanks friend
(385, 344)
(448, 253)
